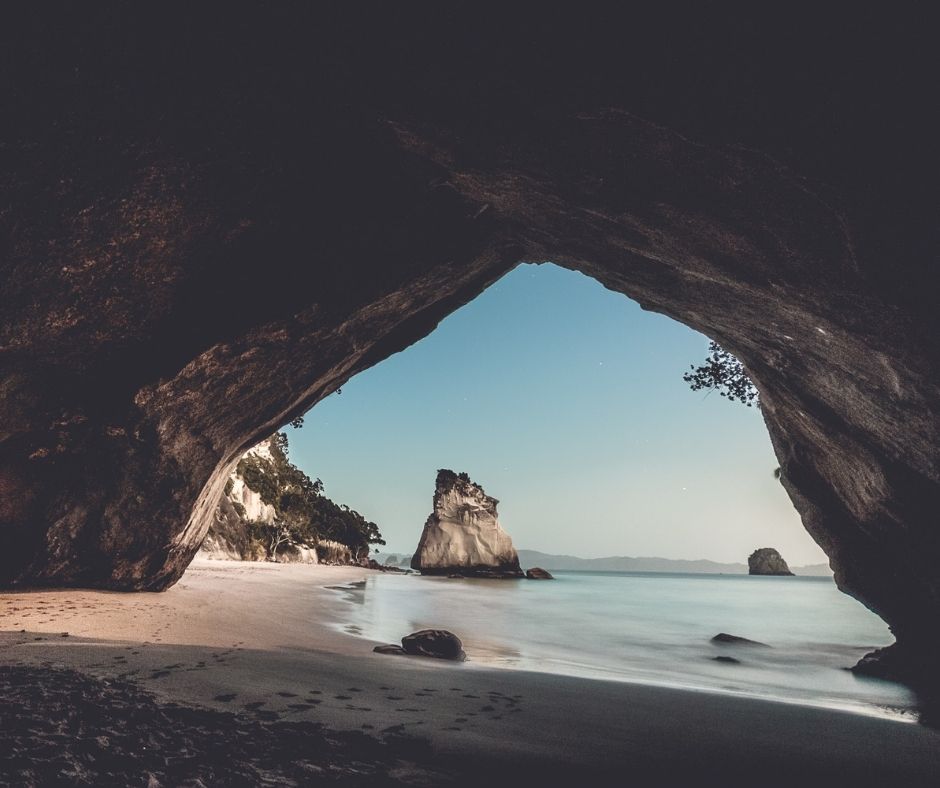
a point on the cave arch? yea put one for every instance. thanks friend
(186, 268)
(566, 401)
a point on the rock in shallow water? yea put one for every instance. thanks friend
(767, 561)
(438, 643)
(735, 640)
(537, 573)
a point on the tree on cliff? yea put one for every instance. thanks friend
(302, 513)
(724, 373)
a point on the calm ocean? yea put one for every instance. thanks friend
(653, 628)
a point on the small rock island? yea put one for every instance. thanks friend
(462, 536)
(767, 561)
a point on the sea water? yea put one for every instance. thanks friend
(653, 628)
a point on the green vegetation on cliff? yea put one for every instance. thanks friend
(302, 513)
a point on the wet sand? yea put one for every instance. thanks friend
(240, 674)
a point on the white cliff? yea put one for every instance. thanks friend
(256, 510)
(228, 536)
(463, 535)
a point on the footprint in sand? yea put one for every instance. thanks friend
(487, 708)
(453, 728)
(159, 674)
(461, 719)
(353, 689)
(343, 697)
(475, 697)
(288, 694)
(394, 697)
(226, 698)
(315, 692)
(254, 705)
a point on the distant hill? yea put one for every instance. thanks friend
(623, 563)
(530, 558)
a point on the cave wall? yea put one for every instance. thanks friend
(213, 217)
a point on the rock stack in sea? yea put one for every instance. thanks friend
(767, 561)
(462, 536)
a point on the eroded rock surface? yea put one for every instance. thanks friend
(462, 535)
(207, 228)
(767, 561)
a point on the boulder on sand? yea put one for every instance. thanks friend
(437, 643)
(389, 648)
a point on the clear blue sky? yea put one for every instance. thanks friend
(566, 402)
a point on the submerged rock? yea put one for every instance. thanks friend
(735, 640)
(438, 643)
(767, 561)
(462, 537)
(726, 660)
(537, 573)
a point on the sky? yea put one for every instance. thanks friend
(566, 402)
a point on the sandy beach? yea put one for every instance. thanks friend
(241, 674)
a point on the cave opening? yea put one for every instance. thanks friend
(566, 401)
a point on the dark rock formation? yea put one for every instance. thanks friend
(735, 640)
(726, 660)
(462, 536)
(438, 643)
(390, 648)
(537, 573)
(767, 561)
(205, 228)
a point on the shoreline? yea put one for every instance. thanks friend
(258, 639)
(496, 652)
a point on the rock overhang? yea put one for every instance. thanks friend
(148, 337)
